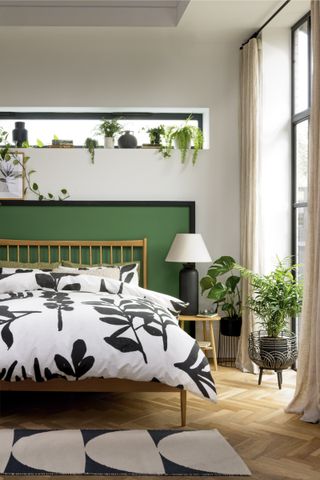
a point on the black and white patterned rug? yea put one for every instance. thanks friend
(118, 452)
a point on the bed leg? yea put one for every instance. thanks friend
(183, 406)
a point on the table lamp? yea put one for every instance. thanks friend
(188, 248)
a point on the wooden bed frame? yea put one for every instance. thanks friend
(85, 253)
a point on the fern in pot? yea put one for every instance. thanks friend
(221, 285)
(182, 138)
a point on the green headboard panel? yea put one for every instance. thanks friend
(157, 221)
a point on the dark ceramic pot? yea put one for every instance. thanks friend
(230, 326)
(127, 140)
(19, 134)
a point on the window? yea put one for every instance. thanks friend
(78, 126)
(301, 94)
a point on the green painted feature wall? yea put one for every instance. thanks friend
(158, 224)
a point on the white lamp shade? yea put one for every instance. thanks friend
(188, 248)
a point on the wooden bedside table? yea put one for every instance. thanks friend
(204, 319)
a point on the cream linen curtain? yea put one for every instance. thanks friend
(307, 395)
(249, 143)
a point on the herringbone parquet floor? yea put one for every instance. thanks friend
(275, 445)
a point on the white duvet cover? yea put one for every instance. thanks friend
(54, 325)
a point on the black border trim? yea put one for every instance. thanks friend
(297, 118)
(191, 205)
(101, 115)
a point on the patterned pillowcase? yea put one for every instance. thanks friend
(19, 282)
(127, 273)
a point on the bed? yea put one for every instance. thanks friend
(83, 289)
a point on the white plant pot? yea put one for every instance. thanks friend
(108, 142)
(177, 144)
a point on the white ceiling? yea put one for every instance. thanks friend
(236, 20)
(110, 13)
(201, 20)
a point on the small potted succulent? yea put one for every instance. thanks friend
(109, 128)
(224, 291)
(182, 138)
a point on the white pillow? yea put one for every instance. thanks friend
(128, 273)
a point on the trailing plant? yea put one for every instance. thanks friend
(275, 297)
(224, 291)
(155, 134)
(6, 155)
(183, 137)
(39, 144)
(109, 128)
(91, 144)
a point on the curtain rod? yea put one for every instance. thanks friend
(255, 34)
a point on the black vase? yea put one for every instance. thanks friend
(188, 288)
(127, 140)
(19, 134)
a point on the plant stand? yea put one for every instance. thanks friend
(273, 353)
(279, 377)
(229, 334)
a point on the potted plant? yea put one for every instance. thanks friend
(109, 128)
(225, 293)
(182, 138)
(155, 135)
(274, 299)
(91, 144)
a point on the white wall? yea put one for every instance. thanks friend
(275, 179)
(127, 68)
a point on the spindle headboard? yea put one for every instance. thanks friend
(84, 252)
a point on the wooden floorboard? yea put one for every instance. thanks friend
(275, 445)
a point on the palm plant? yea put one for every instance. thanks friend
(275, 297)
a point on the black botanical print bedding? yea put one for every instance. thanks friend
(56, 325)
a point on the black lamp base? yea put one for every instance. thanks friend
(188, 288)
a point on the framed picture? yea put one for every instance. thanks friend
(11, 178)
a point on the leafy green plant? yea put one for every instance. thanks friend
(39, 144)
(6, 155)
(183, 137)
(275, 297)
(109, 128)
(91, 144)
(155, 134)
(224, 291)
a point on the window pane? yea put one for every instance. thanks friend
(78, 130)
(302, 150)
(301, 232)
(301, 69)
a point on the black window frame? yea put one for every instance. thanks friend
(297, 118)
